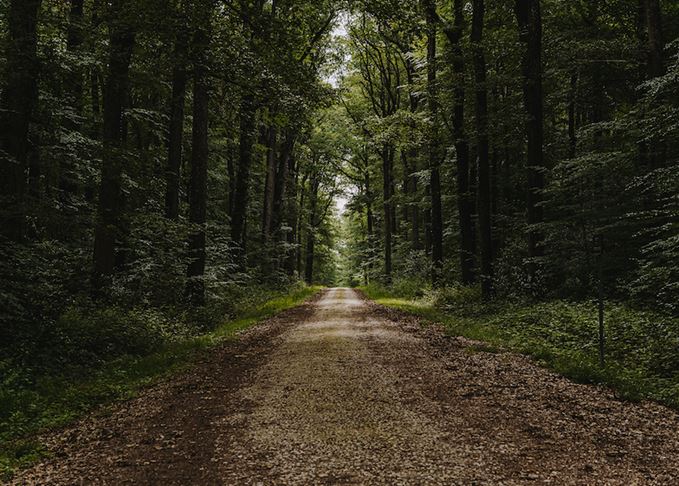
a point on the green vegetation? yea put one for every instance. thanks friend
(641, 352)
(33, 403)
(164, 164)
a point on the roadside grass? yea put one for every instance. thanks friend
(642, 347)
(53, 401)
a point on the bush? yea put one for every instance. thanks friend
(458, 299)
(85, 337)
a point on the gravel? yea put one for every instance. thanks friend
(342, 391)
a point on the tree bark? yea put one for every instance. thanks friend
(19, 97)
(109, 230)
(241, 198)
(411, 168)
(656, 156)
(387, 155)
(434, 149)
(176, 129)
(290, 212)
(199, 171)
(572, 107)
(656, 44)
(74, 42)
(484, 189)
(300, 227)
(284, 168)
(464, 198)
(270, 183)
(311, 232)
(530, 35)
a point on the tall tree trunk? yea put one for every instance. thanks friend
(199, 171)
(464, 197)
(655, 68)
(270, 183)
(109, 230)
(656, 44)
(572, 107)
(285, 166)
(19, 97)
(74, 93)
(176, 128)
(370, 220)
(412, 156)
(232, 156)
(405, 187)
(291, 212)
(530, 35)
(74, 42)
(300, 227)
(484, 189)
(311, 232)
(434, 149)
(387, 169)
(241, 197)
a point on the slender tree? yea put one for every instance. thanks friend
(529, 20)
(74, 42)
(242, 188)
(18, 99)
(199, 162)
(109, 230)
(311, 229)
(175, 137)
(464, 201)
(434, 147)
(484, 175)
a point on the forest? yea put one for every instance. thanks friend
(175, 170)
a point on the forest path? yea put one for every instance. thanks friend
(342, 391)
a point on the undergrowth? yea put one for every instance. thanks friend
(642, 347)
(108, 355)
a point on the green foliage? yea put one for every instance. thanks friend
(642, 347)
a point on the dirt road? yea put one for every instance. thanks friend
(341, 391)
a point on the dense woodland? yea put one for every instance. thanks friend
(165, 161)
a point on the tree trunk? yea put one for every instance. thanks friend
(572, 106)
(434, 150)
(199, 171)
(656, 44)
(19, 97)
(655, 67)
(291, 212)
(464, 198)
(387, 168)
(74, 93)
(74, 41)
(300, 227)
(530, 35)
(484, 189)
(247, 134)
(311, 232)
(270, 183)
(284, 168)
(109, 230)
(176, 129)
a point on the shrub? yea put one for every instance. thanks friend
(89, 336)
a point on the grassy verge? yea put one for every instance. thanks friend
(53, 401)
(642, 349)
